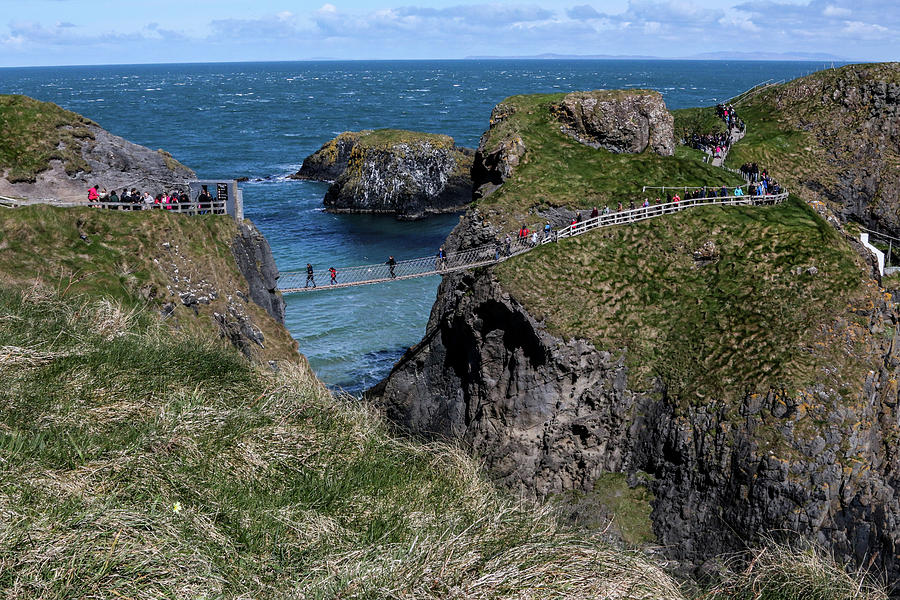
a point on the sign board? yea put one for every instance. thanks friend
(221, 192)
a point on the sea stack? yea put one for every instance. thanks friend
(406, 173)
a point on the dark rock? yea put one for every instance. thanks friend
(255, 261)
(404, 173)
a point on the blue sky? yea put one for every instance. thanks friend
(61, 32)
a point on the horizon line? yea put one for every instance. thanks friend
(543, 58)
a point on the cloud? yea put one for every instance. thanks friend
(583, 11)
(836, 11)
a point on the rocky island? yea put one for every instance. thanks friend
(405, 173)
(746, 392)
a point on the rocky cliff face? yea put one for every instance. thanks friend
(618, 121)
(404, 173)
(549, 415)
(255, 262)
(70, 153)
(803, 448)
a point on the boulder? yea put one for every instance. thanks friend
(618, 121)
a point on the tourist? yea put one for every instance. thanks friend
(595, 213)
(441, 259)
(113, 198)
(93, 193)
(738, 191)
(310, 276)
(548, 229)
(333, 272)
(391, 263)
(534, 239)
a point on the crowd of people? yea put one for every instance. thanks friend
(133, 199)
(718, 143)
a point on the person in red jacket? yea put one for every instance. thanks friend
(93, 194)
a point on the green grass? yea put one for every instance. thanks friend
(741, 324)
(138, 463)
(389, 137)
(132, 258)
(36, 133)
(558, 171)
(108, 421)
(701, 121)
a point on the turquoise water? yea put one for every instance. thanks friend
(260, 120)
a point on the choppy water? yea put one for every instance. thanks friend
(261, 119)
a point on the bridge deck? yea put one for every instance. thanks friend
(297, 282)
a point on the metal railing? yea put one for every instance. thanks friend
(214, 207)
(489, 254)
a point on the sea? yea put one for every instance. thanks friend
(260, 120)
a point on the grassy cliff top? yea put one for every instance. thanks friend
(387, 138)
(754, 310)
(141, 260)
(807, 130)
(35, 133)
(761, 313)
(558, 171)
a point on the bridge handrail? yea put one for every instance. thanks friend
(194, 207)
(488, 254)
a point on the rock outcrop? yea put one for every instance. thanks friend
(499, 153)
(805, 449)
(69, 153)
(405, 173)
(618, 121)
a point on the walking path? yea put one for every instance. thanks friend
(296, 281)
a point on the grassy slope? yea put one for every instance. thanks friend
(107, 421)
(132, 258)
(141, 464)
(558, 171)
(739, 325)
(801, 138)
(34, 133)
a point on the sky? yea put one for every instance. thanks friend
(78, 32)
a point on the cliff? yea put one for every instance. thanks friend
(405, 173)
(737, 363)
(834, 137)
(200, 274)
(47, 152)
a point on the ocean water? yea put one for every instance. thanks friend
(259, 120)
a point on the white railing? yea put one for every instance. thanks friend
(489, 254)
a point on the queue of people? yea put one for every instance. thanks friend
(132, 199)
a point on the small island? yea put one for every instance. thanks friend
(406, 173)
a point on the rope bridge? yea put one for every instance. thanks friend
(298, 281)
